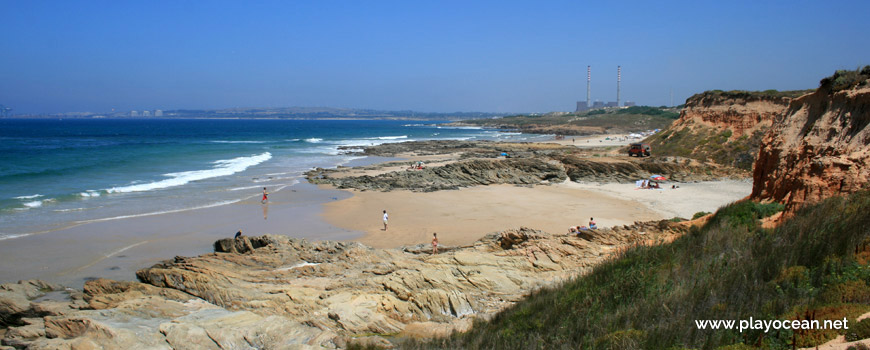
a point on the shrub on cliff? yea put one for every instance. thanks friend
(846, 79)
(731, 269)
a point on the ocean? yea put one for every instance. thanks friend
(60, 173)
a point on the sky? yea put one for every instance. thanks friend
(429, 56)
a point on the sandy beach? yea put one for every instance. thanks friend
(117, 248)
(461, 217)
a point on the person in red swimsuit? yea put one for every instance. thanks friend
(265, 195)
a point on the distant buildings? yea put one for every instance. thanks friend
(147, 113)
(583, 106)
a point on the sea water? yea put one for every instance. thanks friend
(56, 173)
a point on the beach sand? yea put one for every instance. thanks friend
(462, 216)
(117, 248)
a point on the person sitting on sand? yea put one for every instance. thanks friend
(434, 243)
(592, 224)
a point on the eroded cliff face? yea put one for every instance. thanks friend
(723, 127)
(817, 149)
(742, 113)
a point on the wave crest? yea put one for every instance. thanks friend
(222, 168)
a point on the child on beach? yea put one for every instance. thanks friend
(265, 195)
(386, 217)
(592, 224)
(434, 243)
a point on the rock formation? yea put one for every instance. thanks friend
(820, 147)
(467, 173)
(723, 127)
(295, 294)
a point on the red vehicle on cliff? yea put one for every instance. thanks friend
(639, 149)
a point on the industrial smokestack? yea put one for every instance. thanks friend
(588, 84)
(618, 80)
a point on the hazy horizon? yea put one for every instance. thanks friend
(440, 57)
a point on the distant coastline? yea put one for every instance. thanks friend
(289, 113)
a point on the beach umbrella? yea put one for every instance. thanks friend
(658, 178)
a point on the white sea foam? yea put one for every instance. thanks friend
(314, 140)
(244, 188)
(34, 204)
(4, 236)
(159, 212)
(90, 193)
(387, 137)
(460, 127)
(69, 210)
(37, 204)
(221, 168)
(222, 141)
(29, 197)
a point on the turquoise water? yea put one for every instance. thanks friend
(57, 173)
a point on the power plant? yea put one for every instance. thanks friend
(589, 104)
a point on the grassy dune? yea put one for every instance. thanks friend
(814, 266)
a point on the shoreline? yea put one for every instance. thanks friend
(116, 248)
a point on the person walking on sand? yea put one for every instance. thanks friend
(434, 243)
(265, 196)
(386, 217)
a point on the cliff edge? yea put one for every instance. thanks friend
(819, 147)
(725, 127)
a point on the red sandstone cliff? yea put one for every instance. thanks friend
(723, 127)
(819, 147)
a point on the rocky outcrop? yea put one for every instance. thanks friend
(466, 173)
(469, 149)
(582, 169)
(526, 171)
(819, 148)
(16, 300)
(297, 294)
(723, 127)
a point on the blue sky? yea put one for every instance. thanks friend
(437, 56)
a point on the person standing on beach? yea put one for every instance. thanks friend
(386, 217)
(434, 243)
(265, 196)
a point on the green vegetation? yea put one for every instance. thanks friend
(744, 94)
(700, 214)
(708, 144)
(846, 79)
(815, 266)
(631, 119)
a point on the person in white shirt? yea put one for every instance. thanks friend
(386, 217)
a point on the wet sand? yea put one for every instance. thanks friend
(117, 248)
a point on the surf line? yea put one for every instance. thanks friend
(119, 251)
